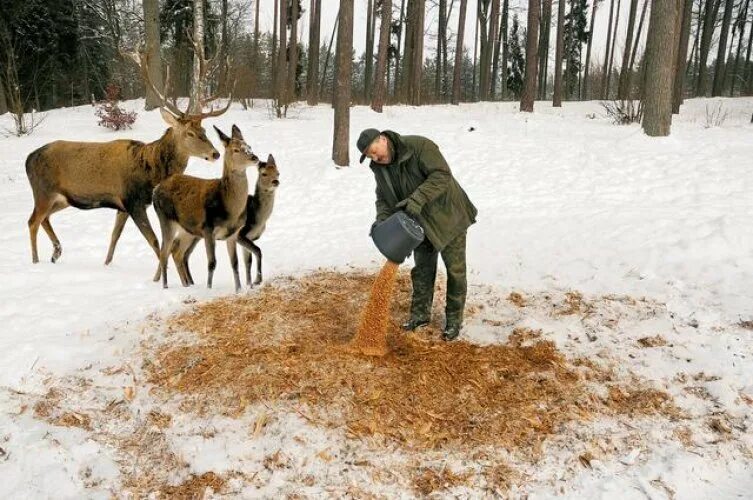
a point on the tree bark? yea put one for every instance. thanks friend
(682, 54)
(377, 102)
(397, 86)
(459, 54)
(475, 49)
(660, 67)
(369, 53)
(282, 63)
(441, 50)
(532, 42)
(722, 50)
(544, 35)
(742, 21)
(293, 54)
(414, 50)
(312, 78)
(623, 90)
(747, 85)
(198, 38)
(255, 53)
(584, 94)
(151, 32)
(341, 133)
(3, 100)
(638, 35)
(605, 79)
(484, 52)
(273, 55)
(709, 23)
(614, 44)
(497, 45)
(559, 52)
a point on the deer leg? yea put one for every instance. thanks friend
(211, 258)
(186, 256)
(257, 255)
(168, 234)
(138, 214)
(57, 249)
(232, 252)
(247, 248)
(178, 259)
(38, 215)
(120, 220)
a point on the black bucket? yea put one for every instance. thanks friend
(397, 236)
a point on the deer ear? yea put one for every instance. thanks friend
(225, 139)
(271, 160)
(169, 118)
(236, 133)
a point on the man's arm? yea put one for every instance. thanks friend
(382, 208)
(434, 166)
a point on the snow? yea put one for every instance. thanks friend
(567, 202)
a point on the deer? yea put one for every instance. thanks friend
(190, 209)
(118, 174)
(259, 208)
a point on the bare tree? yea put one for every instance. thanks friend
(623, 90)
(682, 53)
(292, 53)
(380, 89)
(746, 84)
(312, 73)
(660, 68)
(638, 35)
(198, 41)
(559, 51)
(398, 60)
(605, 86)
(532, 42)
(329, 54)
(281, 83)
(441, 50)
(341, 134)
(459, 53)
(614, 44)
(413, 58)
(505, 48)
(3, 101)
(544, 32)
(584, 94)
(721, 53)
(709, 23)
(732, 75)
(501, 34)
(152, 39)
(369, 55)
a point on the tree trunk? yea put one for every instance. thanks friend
(682, 54)
(493, 29)
(341, 134)
(505, 49)
(282, 64)
(709, 23)
(255, 55)
(312, 78)
(397, 86)
(475, 49)
(441, 50)
(747, 85)
(605, 79)
(329, 54)
(614, 44)
(414, 52)
(369, 54)
(273, 55)
(660, 67)
(559, 52)
(623, 91)
(638, 35)
(722, 51)
(459, 54)
(484, 52)
(697, 39)
(742, 21)
(198, 38)
(293, 54)
(3, 100)
(378, 98)
(546, 23)
(532, 41)
(151, 32)
(584, 94)
(497, 46)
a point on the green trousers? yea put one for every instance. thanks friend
(424, 274)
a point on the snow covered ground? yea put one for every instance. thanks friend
(567, 201)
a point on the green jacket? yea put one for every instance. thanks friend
(420, 174)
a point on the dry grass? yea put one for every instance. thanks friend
(195, 487)
(429, 480)
(289, 344)
(655, 341)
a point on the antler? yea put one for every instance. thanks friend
(137, 58)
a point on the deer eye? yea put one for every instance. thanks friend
(236, 150)
(191, 134)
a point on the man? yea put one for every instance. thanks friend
(412, 175)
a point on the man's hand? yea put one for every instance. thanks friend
(409, 206)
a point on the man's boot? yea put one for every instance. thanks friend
(451, 332)
(414, 323)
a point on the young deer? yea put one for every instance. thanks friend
(258, 209)
(190, 209)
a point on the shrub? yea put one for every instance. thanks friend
(110, 114)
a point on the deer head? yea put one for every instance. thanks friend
(269, 175)
(238, 154)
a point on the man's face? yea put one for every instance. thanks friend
(379, 151)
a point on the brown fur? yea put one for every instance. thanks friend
(119, 174)
(190, 209)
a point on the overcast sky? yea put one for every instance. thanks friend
(330, 7)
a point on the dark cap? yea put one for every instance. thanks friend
(364, 141)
